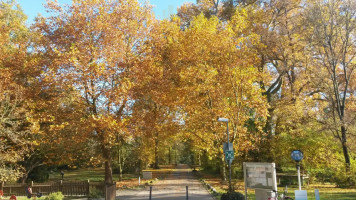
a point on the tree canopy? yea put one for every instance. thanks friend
(103, 80)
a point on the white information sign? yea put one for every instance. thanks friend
(301, 195)
(260, 176)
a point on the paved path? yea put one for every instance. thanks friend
(171, 188)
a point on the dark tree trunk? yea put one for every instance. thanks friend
(120, 164)
(108, 165)
(156, 165)
(29, 170)
(24, 177)
(169, 156)
(344, 148)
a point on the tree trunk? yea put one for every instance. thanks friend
(169, 156)
(156, 165)
(24, 177)
(120, 164)
(222, 166)
(28, 171)
(108, 166)
(269, 123)
(199, 159)
(344, 148)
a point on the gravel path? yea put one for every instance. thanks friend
(171, 188)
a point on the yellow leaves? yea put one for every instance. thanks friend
(239, 21)
(200, 23)
(217, 75)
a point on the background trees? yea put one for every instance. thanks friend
(102, 80)
(332, 45)
(17, 74)
(92, 48)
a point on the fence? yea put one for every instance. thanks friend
(67, 188)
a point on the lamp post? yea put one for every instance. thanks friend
(297, 156)
(225, 120)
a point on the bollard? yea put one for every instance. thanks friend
(187, 192)
(150, 192)
(139, 180)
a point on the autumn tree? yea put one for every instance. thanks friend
(157, 95)
(17, 75)
(92, 48)
(332, 45)
(215, 78)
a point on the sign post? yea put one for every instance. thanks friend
(228, 150)
(262, 178)
(297, 156)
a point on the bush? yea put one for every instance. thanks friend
(344, 180)
(233, 196)
(95, 194)
(39, 174)
(55, 196)
(322, 175)
(237, 173)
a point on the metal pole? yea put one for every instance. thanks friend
(187, 192)
(300, 185)
(150, 192)
(227, 130)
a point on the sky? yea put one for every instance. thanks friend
(162, 8)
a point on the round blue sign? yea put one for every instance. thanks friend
(297, 155)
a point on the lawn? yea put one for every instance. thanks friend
(91, 174)
(97, 175)
(326, 191)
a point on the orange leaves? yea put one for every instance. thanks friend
(210, 75)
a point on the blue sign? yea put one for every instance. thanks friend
(229, 155)
(297, 155)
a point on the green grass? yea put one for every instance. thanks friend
(42, 198)
(91, 174)
(325, 193)
(323, 196)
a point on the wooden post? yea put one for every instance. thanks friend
(88, 187)
(187, 192)
(61, 187)
(150, 192)
(2, 186)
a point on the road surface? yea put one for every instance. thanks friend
(171, 188)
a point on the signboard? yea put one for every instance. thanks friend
(147, 175)
(301, 195)
(228, 147)
(297, 155)
(229, 155)
(260, 176)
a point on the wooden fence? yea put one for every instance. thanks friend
(67, 188)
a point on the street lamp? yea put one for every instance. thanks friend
(229, 160)
(297, 156)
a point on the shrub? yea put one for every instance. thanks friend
(39, 174)
(237, 173)
(344, 180)
(322, 175)
(55, 196)
(95, 194)
(233, 196)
